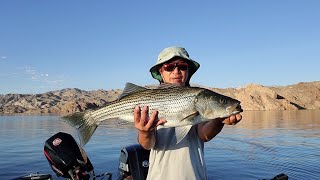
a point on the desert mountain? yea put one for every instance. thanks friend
(304, 95)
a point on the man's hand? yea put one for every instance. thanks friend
(143, 122)
(146, 126)
(208, 130)
(232, 120)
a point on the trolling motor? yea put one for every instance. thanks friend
(66, 158)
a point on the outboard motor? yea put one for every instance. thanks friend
(134, 163)
(67, 158)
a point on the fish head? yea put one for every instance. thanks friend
(212, 105)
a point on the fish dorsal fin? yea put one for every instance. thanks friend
(131, 88)
(168, 85)
(181, 132)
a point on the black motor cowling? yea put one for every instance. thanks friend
(66, 157)
(134, 162)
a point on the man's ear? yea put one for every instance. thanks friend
(160, 71)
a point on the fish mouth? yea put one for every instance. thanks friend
(234, 109)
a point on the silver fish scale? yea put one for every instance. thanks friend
(173, 104)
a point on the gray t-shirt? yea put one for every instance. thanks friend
(169, 160)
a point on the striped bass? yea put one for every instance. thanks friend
(178, 105)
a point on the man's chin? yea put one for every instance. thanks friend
(177, 82)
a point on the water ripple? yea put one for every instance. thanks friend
(262, 145)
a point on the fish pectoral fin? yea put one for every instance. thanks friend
(190, 117)
(181, 132)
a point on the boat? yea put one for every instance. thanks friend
(34, 176)
(68, 160)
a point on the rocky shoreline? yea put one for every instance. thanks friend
(304, 95)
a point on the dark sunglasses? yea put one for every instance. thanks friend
(180, 65)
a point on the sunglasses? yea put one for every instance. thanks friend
(180, 65)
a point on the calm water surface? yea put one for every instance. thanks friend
(262, 145)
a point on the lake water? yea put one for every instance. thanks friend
(263, 145)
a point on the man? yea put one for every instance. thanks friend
(169, 159)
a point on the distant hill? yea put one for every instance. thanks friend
(304, 95)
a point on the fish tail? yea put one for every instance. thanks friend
(84, 123)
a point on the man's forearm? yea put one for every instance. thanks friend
(146, 139)
(208, 130)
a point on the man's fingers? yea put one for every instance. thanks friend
(144, 115)
(238, 117)
(137, 114)
(232, 119)
(160, 122)
(153, 118)
(154, 121)
(142, 119)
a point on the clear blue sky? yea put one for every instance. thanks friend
(50, 45)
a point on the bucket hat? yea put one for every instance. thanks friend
(169, 53)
